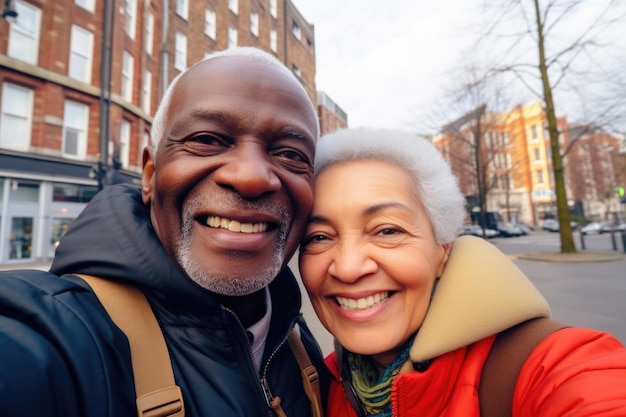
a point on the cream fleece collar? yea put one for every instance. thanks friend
(480, 293)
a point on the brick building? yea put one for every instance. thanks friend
(331, 116)
(80, 81)
(515, 164)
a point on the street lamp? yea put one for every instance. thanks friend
(9, 12)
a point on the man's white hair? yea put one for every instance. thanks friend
(437, 187)
(158, 123)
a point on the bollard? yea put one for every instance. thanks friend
(623, 233)
(582, 240)
(613, 240)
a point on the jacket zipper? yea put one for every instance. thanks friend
(267, 393)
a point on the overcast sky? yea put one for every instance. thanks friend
(385, 63)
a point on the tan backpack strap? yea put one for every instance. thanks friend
(157, 393)
(310, 377)
(506, 358)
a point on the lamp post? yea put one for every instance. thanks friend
(105, 92)
(9, 12)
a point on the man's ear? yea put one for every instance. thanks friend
(147, 176)
(444, 259)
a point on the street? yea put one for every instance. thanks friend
(586, 295)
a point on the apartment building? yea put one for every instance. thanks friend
(331, 116)
(80, 81)
(510, 153)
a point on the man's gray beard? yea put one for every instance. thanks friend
(227, 284)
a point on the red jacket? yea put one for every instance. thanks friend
(573, 372)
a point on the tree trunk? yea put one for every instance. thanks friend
(565, 230)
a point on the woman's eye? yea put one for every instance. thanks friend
(388, 231)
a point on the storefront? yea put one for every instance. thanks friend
(34, 216)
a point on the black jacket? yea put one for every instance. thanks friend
(60, 354)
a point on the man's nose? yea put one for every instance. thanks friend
(249, 170)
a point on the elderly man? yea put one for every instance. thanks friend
(225, 194)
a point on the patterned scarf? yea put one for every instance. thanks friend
(372, 388)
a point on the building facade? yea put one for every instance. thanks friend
(510, 154)
(331, 116)
(80, 81)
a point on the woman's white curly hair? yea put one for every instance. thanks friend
(160, 117)
(436, 185)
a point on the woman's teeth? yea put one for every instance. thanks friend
(362, 303)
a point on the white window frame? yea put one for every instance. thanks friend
(146, 92)
(274, 8)
(210, 24)
(149, 42)
(295, 29)
(180, 55)
(81, 54)
(233, 6)
(182, 8)
(16, 119)
(254, 23)
(80, 126)
(232, 37)
(130, 21)
(540, 177)
(273, 40)
(89, 5)
(128, 68)
(124, 148)
(24, 33)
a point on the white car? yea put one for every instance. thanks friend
(476, 230)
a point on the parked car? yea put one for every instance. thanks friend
(525, 229)
(551, 225)
(476, 230)
(607, 227)
(592, 228)
(508, 230)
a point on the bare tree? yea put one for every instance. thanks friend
(472, 142)
(565, 36)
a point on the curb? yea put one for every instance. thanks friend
(585, 257)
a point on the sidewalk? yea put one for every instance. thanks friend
(43, 266)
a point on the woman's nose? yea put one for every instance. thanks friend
(249, 171)
(352, 263)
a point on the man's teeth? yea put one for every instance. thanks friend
(362, 303)
(235, 226)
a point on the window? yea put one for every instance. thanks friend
(81, 53)
(232, 37)
(537, 154)
(540, 176)
(273, 41)
(254, 24)
(296, 70)
(209, 24)
(149, 42)
(295, 29)
(76, 116)
(124, 150)
(130, 12)
(533, 132)
(274, 8)
(128, 65)
(16, 117)
(24, 33)
(89, 5)
(233, 5)
(182, 8)
(180, 59)
(146, 92)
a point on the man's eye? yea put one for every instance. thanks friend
(207, 139)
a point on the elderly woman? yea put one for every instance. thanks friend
(415, 311)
